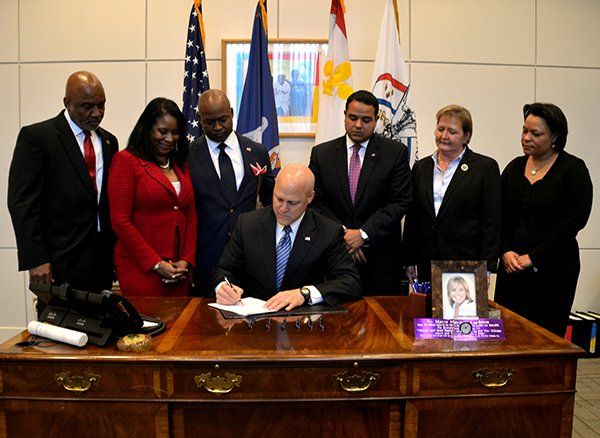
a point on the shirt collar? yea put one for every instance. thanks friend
(455, 161)
(294, 225)
(74, 126)
(231, 141)
(350, 143)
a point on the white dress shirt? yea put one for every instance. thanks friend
(442, 179)
(234, 152)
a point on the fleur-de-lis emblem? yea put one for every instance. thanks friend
(335, 77)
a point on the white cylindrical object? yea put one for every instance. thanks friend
(56, 333)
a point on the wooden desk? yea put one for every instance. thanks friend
(288, 381)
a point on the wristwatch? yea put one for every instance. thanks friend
(306, 294)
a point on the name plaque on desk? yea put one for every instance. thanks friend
(459, 329)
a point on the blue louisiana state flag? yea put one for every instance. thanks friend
(257, 117)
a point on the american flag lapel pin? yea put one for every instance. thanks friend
(248, 149)
(307, 238)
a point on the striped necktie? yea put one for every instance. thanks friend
(282, 254)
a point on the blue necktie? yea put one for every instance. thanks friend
(282, 254)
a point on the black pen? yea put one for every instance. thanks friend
(231, 286)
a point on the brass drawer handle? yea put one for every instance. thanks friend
(77, 384)
(218, 384)
(356, 382)
(493, 379)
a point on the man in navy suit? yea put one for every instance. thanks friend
(363, 183)
(57, 192)
(287, 254)
(228, 173)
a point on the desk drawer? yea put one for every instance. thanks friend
(492, 377)
(51, 380)
(287, 382)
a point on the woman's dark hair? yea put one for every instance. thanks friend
(366, 97)
(140, 140)
(554, 118)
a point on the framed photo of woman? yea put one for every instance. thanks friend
(459, 289)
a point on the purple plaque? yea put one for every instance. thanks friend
(459, 329)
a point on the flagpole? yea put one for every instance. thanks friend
(397, 15)
(197, 6)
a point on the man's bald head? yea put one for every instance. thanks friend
(216, 115)
(84, 100)
(294, 190)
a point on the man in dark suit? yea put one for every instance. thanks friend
(287, 254)
(226, 182)
(57, 192)
(363, 183)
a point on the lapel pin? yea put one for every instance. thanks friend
(464, 167)
(373, 155)
(307, 238)
(248, 149)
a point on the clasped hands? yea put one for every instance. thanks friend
(172, 272)
(354, 242)
(288, 299)
(514, 262)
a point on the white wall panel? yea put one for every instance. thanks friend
(307, 19)
(9, 126)
(124, 84)
(167, 28)
(165, 79)
(473, 31)
(493, 94)
(71, 30)
(295, 150)
(577, 93)
(9, 30)
(13, 309)
(588, 286)
(568, 32)
(232, 20)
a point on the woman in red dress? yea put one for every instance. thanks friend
(152, 205)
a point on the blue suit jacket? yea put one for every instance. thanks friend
(216, 216)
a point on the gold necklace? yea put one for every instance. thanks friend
(533, 172)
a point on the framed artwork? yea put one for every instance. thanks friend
(459, 289)
(295, 69)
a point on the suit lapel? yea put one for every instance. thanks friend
(207, 166)
(247, 156)
(267, 248)
(106, 157)
(155, 173)
(69, 143)
(427, 183)
(371, 156)
(460, 174)
(301, 247)
(340, 162)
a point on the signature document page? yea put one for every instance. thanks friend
(247, 306)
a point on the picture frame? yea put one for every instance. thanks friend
(295, 69)
(459, 289)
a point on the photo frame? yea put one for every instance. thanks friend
(295, 69)
(459, 289)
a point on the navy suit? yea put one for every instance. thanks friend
(382, 198)
(216, 216)
(54, 206)
(318, 258)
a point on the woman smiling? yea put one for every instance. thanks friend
(152, 205)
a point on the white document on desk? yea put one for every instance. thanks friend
(249, 306)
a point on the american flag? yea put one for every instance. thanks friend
(195, 80)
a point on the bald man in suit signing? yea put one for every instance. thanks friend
(287, 254)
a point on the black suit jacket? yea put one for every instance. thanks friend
(467, 226)
(216, 216)
(318, 258)
(382, 198)
(54, 206)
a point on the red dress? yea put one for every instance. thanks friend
(152, 223)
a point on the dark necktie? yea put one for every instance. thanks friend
(282, 254)
(90, 157)
(227, 173)
(354, 171)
